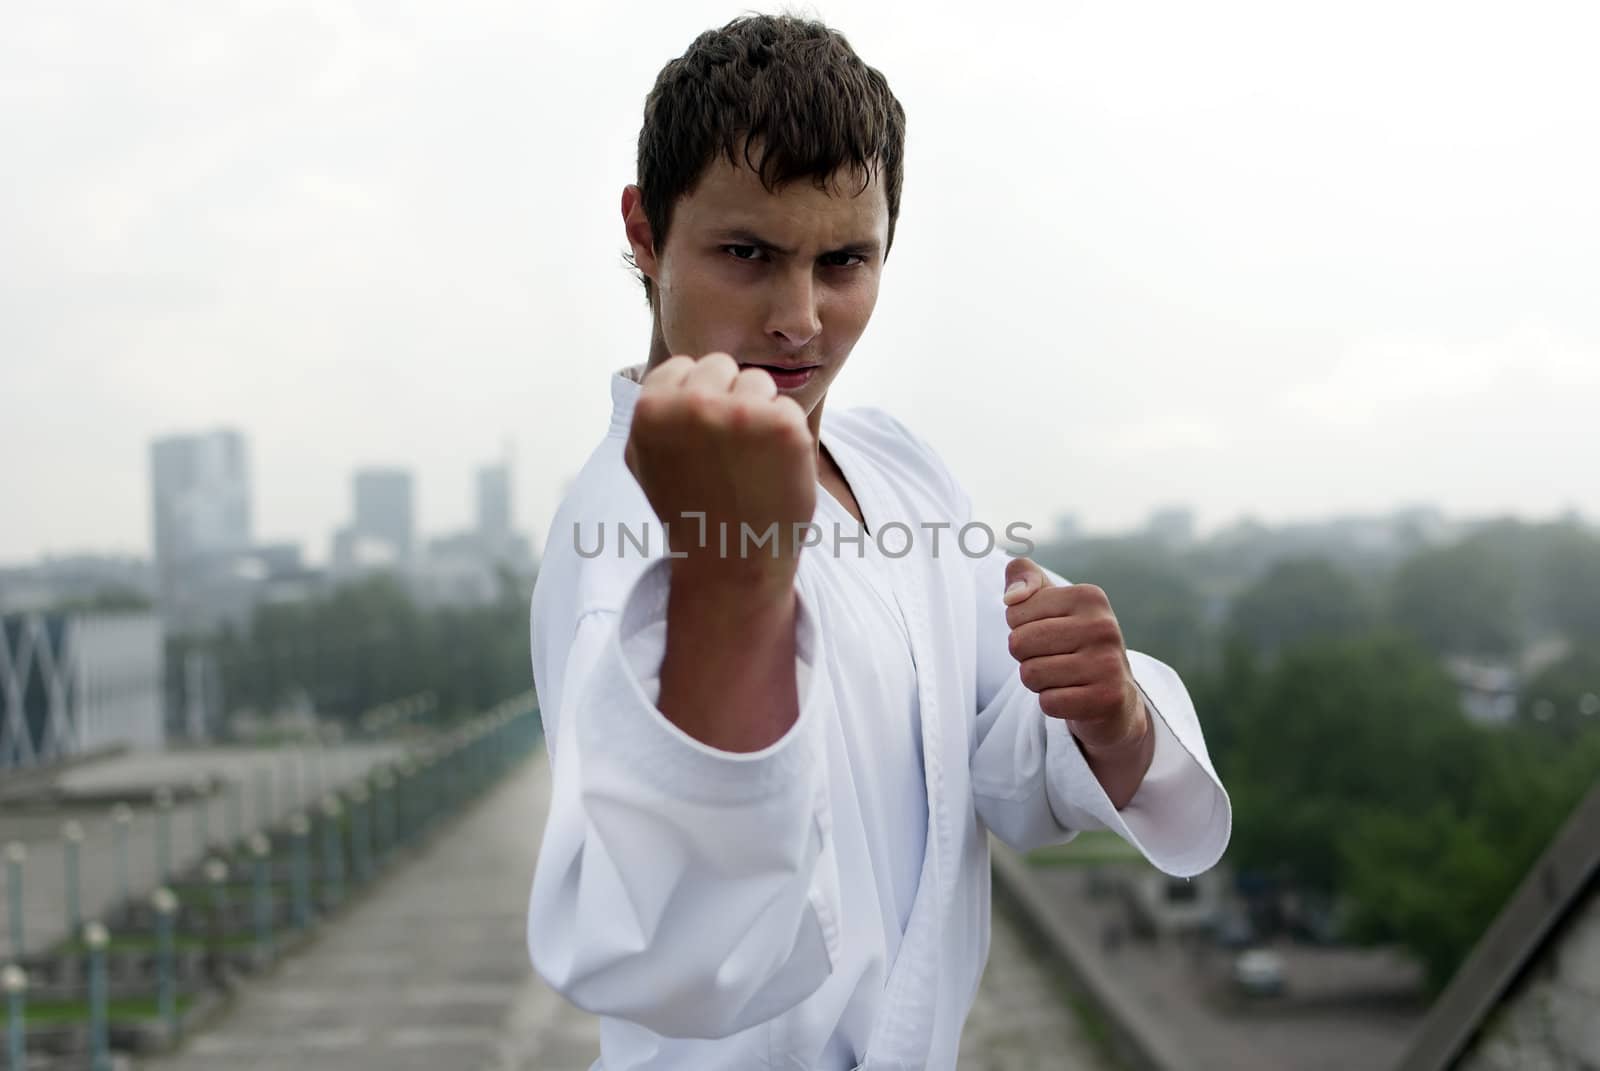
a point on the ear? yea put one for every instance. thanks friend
(637, 227)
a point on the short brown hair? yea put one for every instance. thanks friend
(787, 84)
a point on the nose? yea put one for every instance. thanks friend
(794, 316)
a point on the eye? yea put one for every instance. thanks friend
(735, 250)
(857, 257)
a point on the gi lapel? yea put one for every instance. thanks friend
(904, 1027)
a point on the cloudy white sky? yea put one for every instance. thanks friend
(1265, 258)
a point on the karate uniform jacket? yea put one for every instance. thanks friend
(694, 899)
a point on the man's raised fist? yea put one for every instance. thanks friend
(708, 438)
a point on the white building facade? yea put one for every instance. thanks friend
(71, 683)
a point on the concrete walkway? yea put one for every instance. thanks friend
(430, 971)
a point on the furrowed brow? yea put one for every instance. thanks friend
(742, 236)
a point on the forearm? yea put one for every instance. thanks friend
(1121, 769)
(728, 673)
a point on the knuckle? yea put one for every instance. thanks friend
(1062, 634)
(742, 416)
(647, 409)
(701, 407)
(1101, 632)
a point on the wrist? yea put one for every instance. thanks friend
(1135, 734)
(745, 581)
(1120, 767)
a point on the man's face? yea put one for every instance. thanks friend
(784, 280)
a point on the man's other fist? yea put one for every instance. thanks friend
(1069, 650)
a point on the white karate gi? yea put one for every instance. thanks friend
(822, 903)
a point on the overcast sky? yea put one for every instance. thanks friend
(1276, 259)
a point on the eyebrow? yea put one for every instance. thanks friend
(865, 248)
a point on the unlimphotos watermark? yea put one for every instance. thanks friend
(893, 539)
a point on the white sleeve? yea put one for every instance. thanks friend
(1033, 785)
(690, 890)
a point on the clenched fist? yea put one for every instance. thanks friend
(708, 438)
(1069, 650)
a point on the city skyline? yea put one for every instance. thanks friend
(481, 482)
(1243, 279)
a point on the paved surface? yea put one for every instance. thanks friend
(294, 777)
(1347, 1008)
(1018, 1021)
(430, 971)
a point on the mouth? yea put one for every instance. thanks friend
(787, 377)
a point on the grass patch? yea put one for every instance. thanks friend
(1093, 1025)
(138, 942)
(1090, 848)
(128, 1009)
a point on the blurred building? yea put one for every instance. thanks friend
(209, 571)
(1068, 528)
(73, 682)
(199, 497)
(1173, 526)
(1488, 688)
(83, 579)
(384, 508)
(382, 528)
(494, 502)
(200, 516)
(472, 568)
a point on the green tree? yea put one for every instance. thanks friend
(1567, 585)
(1459, 599)
(1299, 599)
(368, 642)
(1433, 880)
(1334, 727)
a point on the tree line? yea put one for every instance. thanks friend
(369, 642)
(1354, 773)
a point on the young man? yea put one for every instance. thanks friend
(788, 686)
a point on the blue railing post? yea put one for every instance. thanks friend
(121, 819)
(264, 808)
(232, 812)
(95, 936)
(71, 850)
(14, 980)
(300, 832)
(163, 800)
(202, 815)
(261, 853)
(165, 906)
(361, 831)
(16, 856)
(332, 851)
